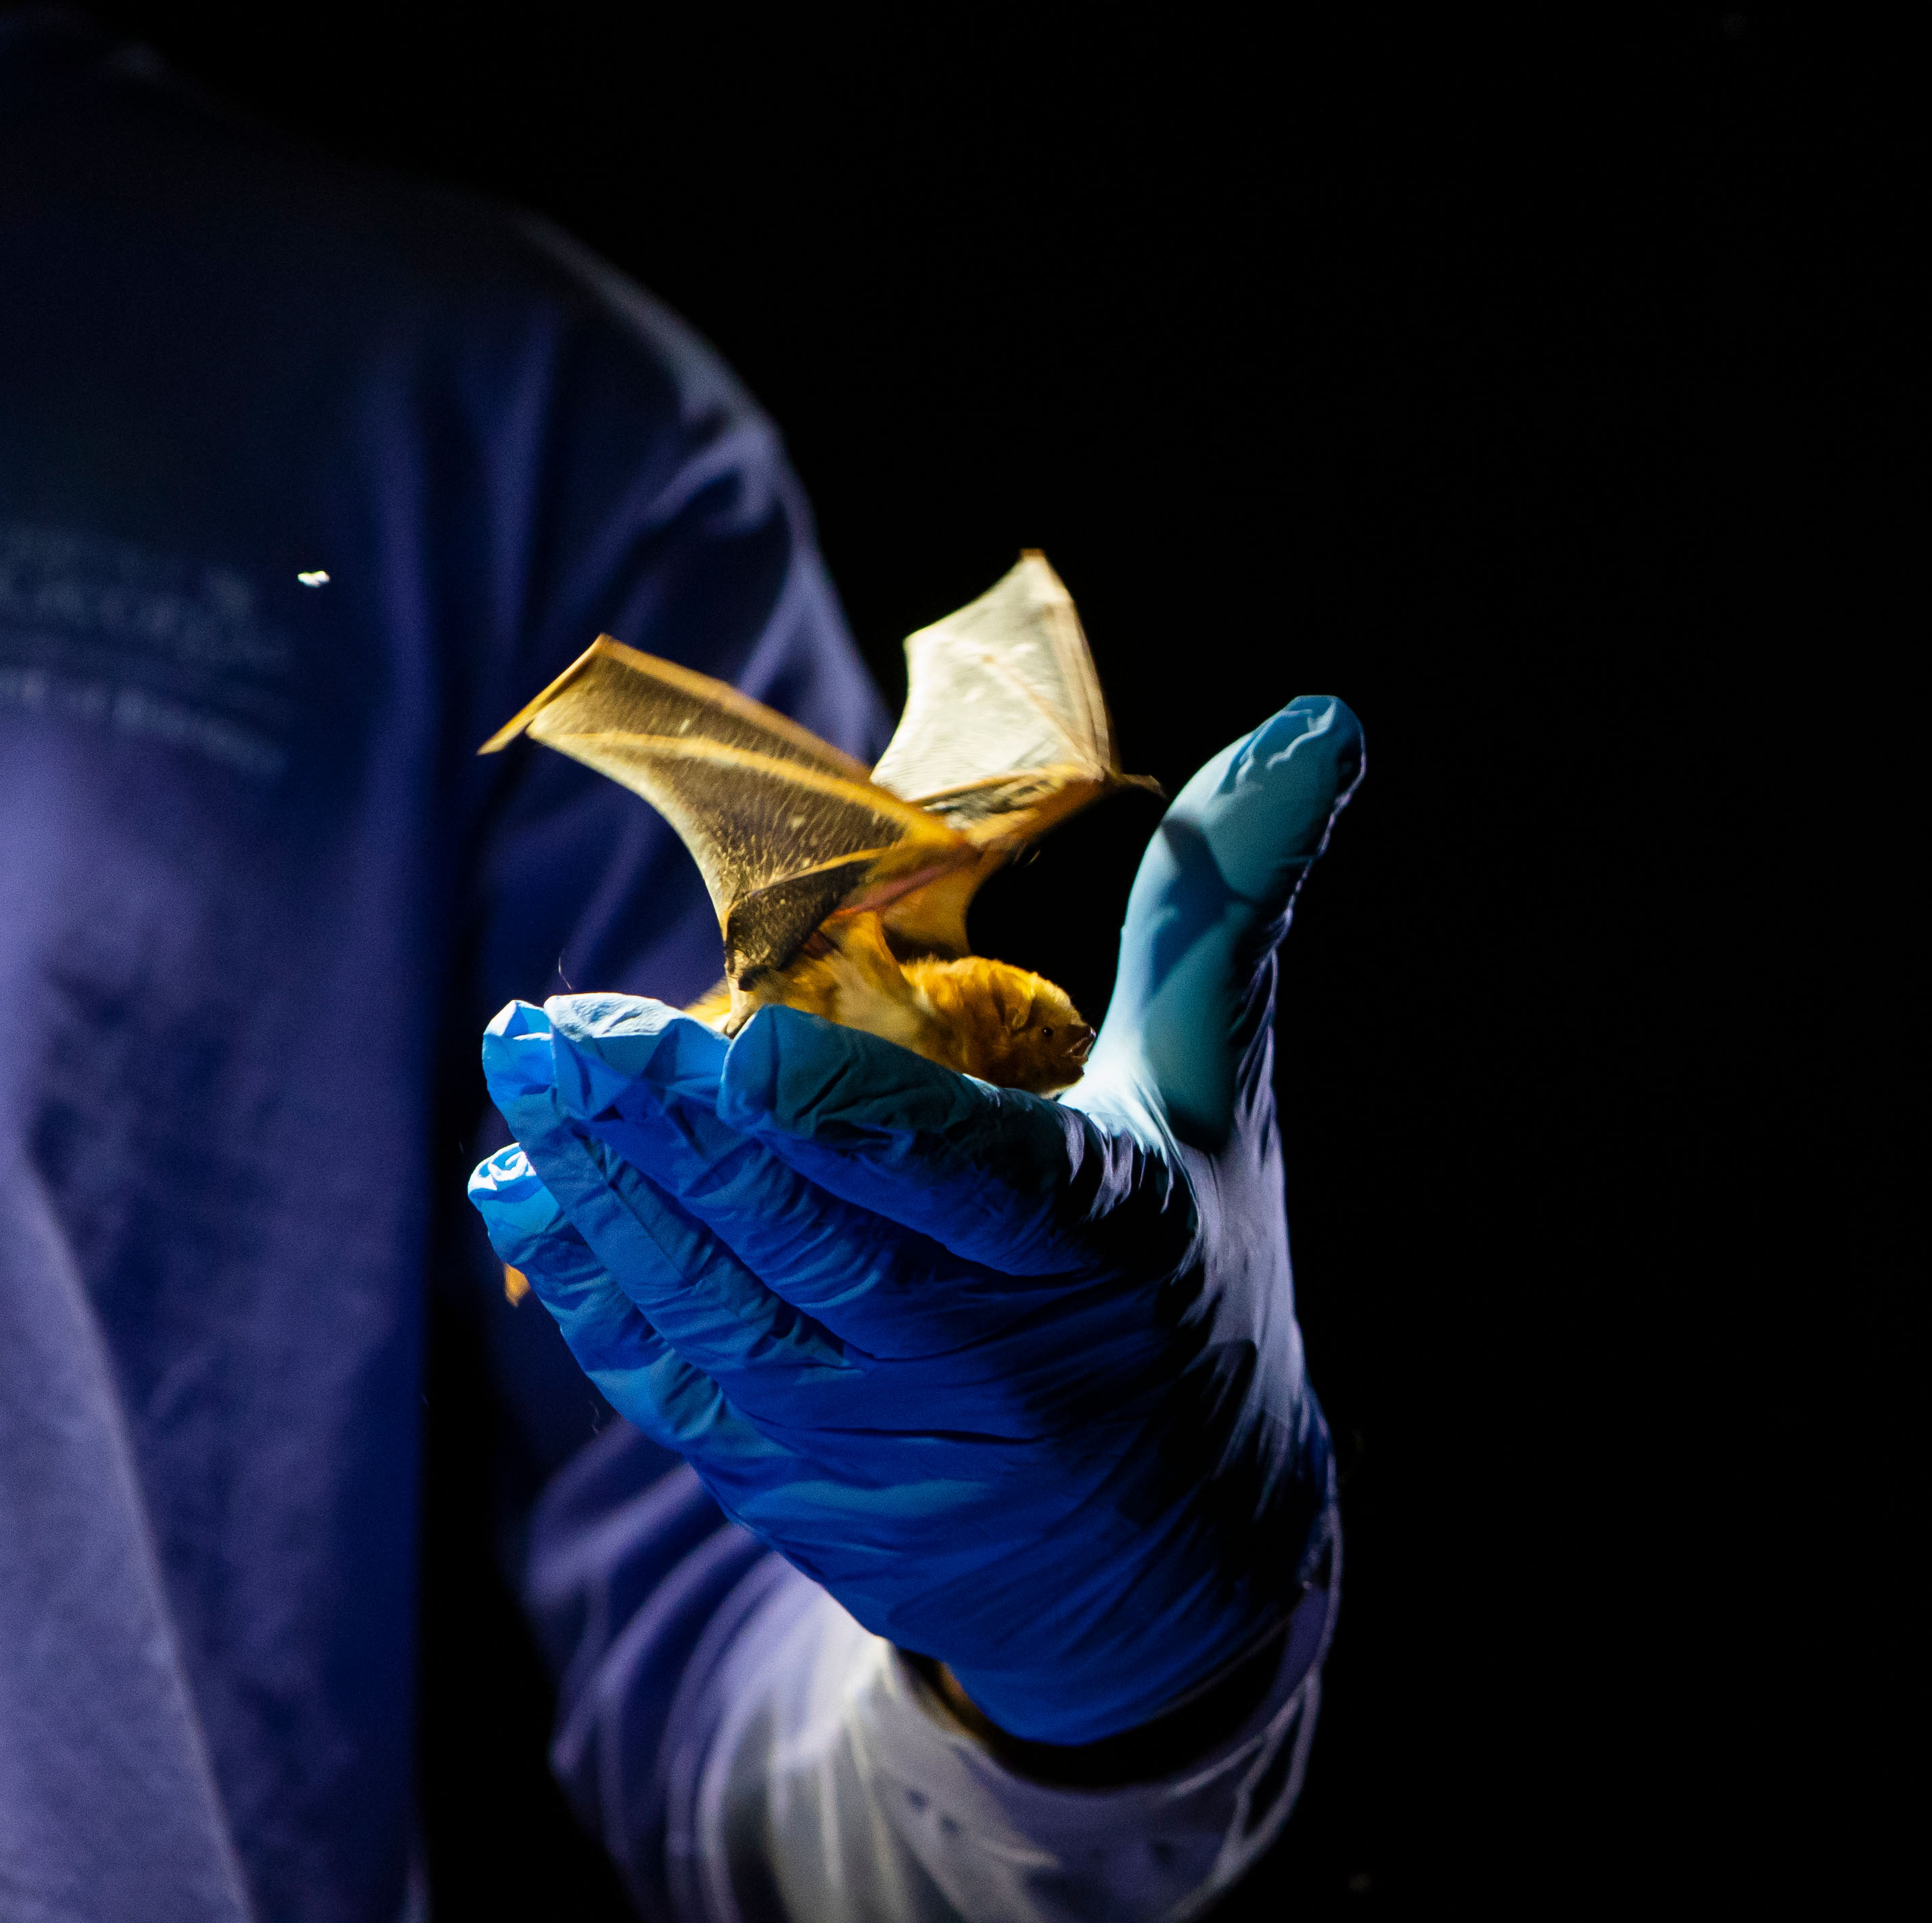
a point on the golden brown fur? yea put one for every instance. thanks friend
(1003, 1024)
(985, 1018)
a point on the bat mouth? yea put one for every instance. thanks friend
(1082, 1045)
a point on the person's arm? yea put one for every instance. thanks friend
(750, 1752)
(1018, 1382)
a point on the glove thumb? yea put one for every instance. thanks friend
(1195, 989)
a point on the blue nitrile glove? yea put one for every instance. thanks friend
(1018, 1380)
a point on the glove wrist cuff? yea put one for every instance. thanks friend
(1205, 1717)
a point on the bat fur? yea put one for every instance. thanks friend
(983, 1017)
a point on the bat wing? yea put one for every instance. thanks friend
(1004, 734)
(783, 826)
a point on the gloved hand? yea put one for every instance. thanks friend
(1018, 1380)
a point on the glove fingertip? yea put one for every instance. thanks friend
(615, 1040)
(518, 1053)
(517, 1209)
(1313, 736)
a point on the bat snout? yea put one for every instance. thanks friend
(1081, 1042)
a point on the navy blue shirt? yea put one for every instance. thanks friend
(258, 895)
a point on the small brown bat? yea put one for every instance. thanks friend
(846, 893)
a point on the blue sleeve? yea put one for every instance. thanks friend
(633, 1577)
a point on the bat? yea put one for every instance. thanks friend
(844, 892)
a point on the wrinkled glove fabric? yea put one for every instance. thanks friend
(1018, 1380)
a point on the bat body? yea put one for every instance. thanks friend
(984, 1017)
(845, 892)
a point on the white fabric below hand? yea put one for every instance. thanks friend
(836, 1784)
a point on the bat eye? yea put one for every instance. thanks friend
(1046, 1035)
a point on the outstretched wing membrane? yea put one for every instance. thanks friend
(1003, 705)
(783, 826)
(1004, 733)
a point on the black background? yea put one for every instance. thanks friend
(1526, 384)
